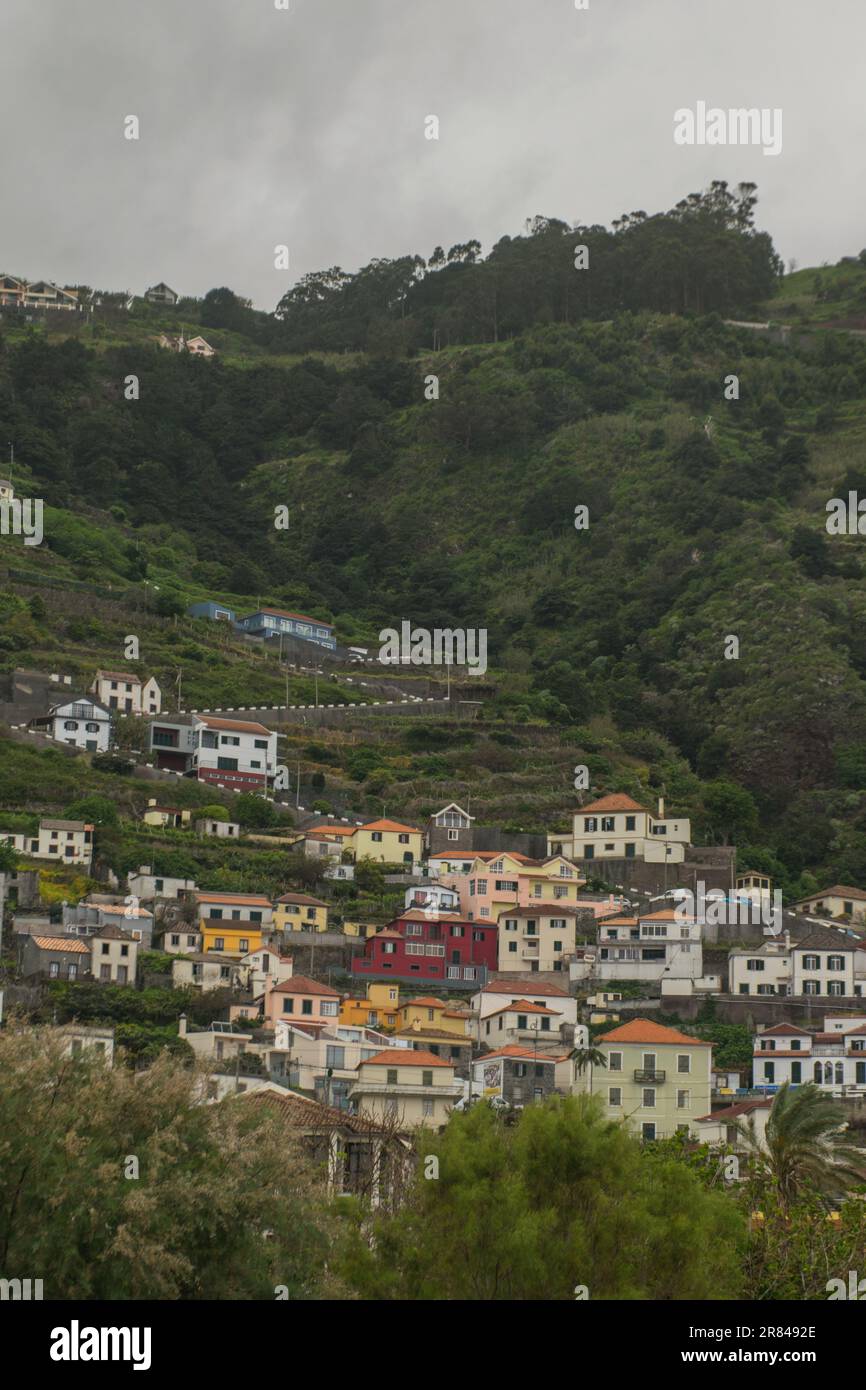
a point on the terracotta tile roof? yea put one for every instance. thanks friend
(527, 1053)
(617, 922)
(427, 1001)
(416, 914)
(301, 899)
(523, 1006)
(823, 939)
(234, 899)
(786, 1028)
(302, 984)
(616, 801)
(61, 943)
(644, 1030)
(241, 726)
(433, 1032)
(118, 911)
(838, 890)
(733, 1112)
(390, 825)
(403, 1057)
(515, 985)
(301, 1113)
(64, 825)
(129, 676)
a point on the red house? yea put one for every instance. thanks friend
(416, 946)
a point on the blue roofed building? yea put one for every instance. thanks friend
(210, 609)
(271, 622)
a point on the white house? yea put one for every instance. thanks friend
(433, 898)
(204, 971)
(834, 1060)
(825, 962)
(618, 827)
(323, 1060)
(262, 968)
(147, 886)
(82, 723)
(64, 841)
(223, 829)
(498, 992)
(659, 946)
(127, 693)
(240, 754)
(522, 1021)
(113, 956)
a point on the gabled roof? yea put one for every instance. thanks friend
(112, 933)
(526, 1053)
(302, 984)
(616, 801)
(736, 1111)
(784, 1029)
(823, 939)
(129, 676)
(523, 1006)
(301, 1113)
(61, 943)
(452, 806)
(404, 1057)
(393, 825)
(426, 1001)
(516, 986)
(644, 1030)
(241, 726)
(838, 890)
(64, 825)
(234, 899)
(284, 613)
(302, 899)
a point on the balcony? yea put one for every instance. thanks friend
(655, 1077)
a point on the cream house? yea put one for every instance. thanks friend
(836, 901)
(113, 956)
(521, 1021)
(656, 1079)
(536, 991)
(618, 827)
(126, 693)
(64, 841)
(406, 1087)
(536, 938)
(386, 842)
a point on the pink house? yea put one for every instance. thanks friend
(302, 1000)
(496, 882)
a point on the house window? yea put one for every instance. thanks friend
(426, 1078)
(683, 1100)
(392, 1076)
(244, 944)
(754, 965)
(811, 987)
(219, 943)
(335, 1057)
(329, 1008)
(608, 823)
(376, 836)
(835, 962)
(590, 825)
(588, 852)
(648, 1131)
(453, 834)
(403, 839)
(288, 1006)
(648, 1098)
(811, 962)
(614, 1061)
(630, 822)
(684, 1063)
(614, 1095)
(427, 1106)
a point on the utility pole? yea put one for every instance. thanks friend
(2, 900)
(298, 791)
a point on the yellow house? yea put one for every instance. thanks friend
(298, 912)
(377, 1010)
(387, 842)
(406, 1088)
(360, 929)
(436, 1014)
(228, 937)
(657, 1079)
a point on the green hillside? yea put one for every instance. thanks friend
(453, 504)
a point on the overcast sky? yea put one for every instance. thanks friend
(260, 127)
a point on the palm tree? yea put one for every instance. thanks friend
(588, 1057)
(805, 1146)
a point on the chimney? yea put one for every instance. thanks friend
(151, 801)
(787, 940)
(181, 1026)
(661, 808)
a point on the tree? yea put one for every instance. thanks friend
(730, 811)
(254, 812)
(585, 1058)
(151, 1194)
(213, 812)
(96, 810)
(562, 1198)
(8, 858)
(805, 1148)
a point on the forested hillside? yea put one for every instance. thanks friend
(453, 504)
